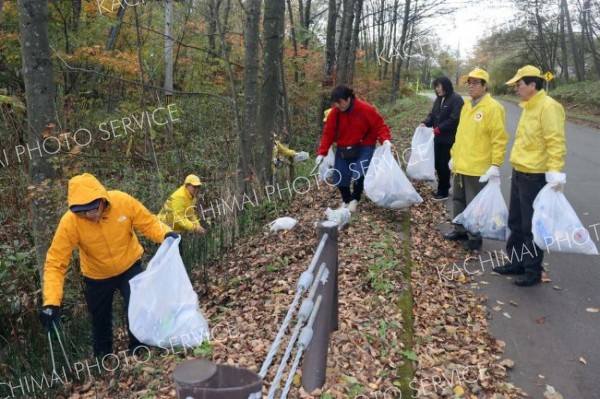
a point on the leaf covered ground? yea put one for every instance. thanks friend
(452, 352)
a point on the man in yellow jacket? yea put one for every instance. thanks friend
(478, 150)
(537, 158)
(179, 210)
(100, 223)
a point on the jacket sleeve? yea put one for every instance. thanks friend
(57, 261)
(328, 132)
(498, 135)
(450, 124)
(377, 125)
(283, 150)
(430, 117)
(147, 223)
(553, 130)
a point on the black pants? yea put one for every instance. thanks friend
(442, 157)
(358, 187)
(99, 297)
(520, 248)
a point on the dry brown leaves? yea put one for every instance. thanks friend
(253, 285)
(457, 355)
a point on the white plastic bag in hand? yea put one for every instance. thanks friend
(421, 165)
(284, 223)
(163, 307)
(556, 227)
(385, 182)
(300, 156)
(326, 168)
(341, 216)
(487, 213)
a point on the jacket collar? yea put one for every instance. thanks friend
(537, 97)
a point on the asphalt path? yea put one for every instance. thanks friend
(550, 335)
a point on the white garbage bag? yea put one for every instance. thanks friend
(341, 216)
(326, 169)
(487, 213)
(284, 223)
(163, 307)
(385, 182)
(421, 165)
(556, 227)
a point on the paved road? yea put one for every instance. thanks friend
(550, 330)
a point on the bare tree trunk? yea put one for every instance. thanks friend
(580, 73)
(41, 114)
(588, 35)
(76, 14)
(392, 40)
(398, 61)
(564, 72)
(245, 174)
(294, 43)
(248, 135)
(345, 39)
(543, 51)
(307, 22)
(274, 15)
(354, 40)
(328, 73)
(168, 50)
(114, 30)
(213, 9)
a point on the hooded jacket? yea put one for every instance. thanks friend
(179, 211)
(360, 120)
(106, 248)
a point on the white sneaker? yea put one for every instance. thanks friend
(352, 206)
(344, 205)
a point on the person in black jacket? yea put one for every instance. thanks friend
(444, 117)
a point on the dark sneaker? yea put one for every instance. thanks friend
(473, 245)
(440, 197)
(456, 236)
(509, 268)
(529, 279)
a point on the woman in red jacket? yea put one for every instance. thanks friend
(355, 126)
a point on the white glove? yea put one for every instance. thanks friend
(387, 143)
(556, 180)
(451, 165)
(300, 156)
(319, 159)
(493, 171)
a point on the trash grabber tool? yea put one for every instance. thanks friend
(51, 353)
(62, 347)
(315, 168)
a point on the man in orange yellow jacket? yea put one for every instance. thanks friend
(100, 223)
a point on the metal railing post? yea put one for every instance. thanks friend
(314, 366)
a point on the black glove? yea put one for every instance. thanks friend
(50, 315)
(172, 234)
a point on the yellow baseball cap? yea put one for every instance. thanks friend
(526, 71)
(477, 73)
(193, 180)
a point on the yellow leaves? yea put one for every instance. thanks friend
(459, 391)
(122, 61)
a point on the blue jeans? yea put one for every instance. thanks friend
(352, 169)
